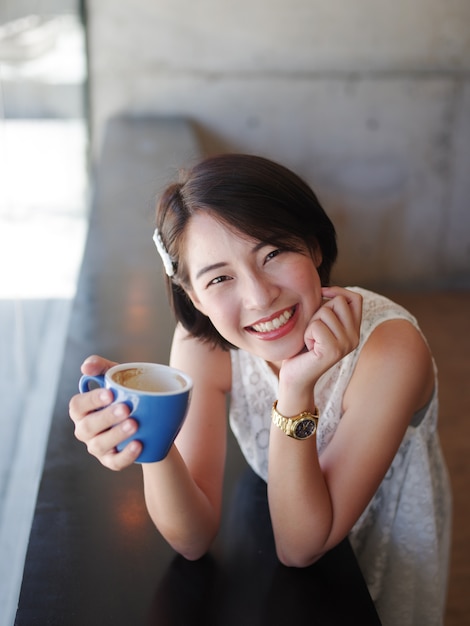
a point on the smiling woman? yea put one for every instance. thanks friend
(345, 439)
(253, 293)
(256, 199)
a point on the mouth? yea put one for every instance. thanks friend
(274, 323)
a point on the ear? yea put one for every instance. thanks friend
(317, 256)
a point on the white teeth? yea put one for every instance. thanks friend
(277, 322)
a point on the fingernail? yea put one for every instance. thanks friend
(104, 396)
(119, 411)
(127, 426)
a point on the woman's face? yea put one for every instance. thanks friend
(260, 298)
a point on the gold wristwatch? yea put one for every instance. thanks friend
(300, 426)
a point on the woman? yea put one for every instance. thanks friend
(333, 391)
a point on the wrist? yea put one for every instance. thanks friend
(301, 426)
(297, 379)
(293, 399)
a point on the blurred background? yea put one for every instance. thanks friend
(44, 206)
(369, 101)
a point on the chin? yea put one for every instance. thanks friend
(280, 354)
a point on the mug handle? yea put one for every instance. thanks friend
(85, 380)
(132, 400)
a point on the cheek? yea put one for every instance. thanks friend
(306, 280)
(223, 316)
(310, 286)
(197, 303)
(211, 308)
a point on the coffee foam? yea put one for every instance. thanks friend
(142, 379)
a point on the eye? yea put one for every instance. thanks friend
(218, 280)
(273, 254)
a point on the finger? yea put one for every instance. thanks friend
(101, 421)
(347, 306)
(353, 299)
(321, 339)
(106, 442)
(118, 461)
(82, 404)
(338, 316)
(333, 329)
(95, 365)
(330, 316)
(332, 291)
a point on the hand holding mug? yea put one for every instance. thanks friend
(157, 398)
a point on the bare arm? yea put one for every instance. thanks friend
(315, 501)
(184, 491)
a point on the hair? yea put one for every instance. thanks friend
(252, 195)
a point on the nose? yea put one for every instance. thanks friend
(259, 292)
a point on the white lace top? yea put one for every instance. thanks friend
(402, 538)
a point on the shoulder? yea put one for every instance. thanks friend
(396, 338)
(396, 359)
(206, 364)
(390, 333)
(389, 330)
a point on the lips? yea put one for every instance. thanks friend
(274, 323)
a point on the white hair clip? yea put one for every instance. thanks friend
(163, 252)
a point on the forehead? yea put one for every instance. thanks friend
(205, 234)
(210, 241)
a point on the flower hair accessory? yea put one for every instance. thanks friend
(163, 252)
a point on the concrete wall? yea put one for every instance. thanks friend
(368, 100)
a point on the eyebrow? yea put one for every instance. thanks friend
(216, 266)
(208, 268)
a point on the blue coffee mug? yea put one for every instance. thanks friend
(158, 397)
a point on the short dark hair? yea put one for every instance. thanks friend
(254, 196)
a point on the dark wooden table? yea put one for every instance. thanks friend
(94, 557)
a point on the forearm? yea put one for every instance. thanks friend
(299, 500)
(179, 508)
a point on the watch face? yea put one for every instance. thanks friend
(304, 428)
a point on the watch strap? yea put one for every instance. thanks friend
(289, 425)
